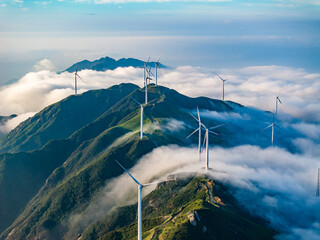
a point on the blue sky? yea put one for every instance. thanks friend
(215, 34)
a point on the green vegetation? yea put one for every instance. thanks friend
(40, 190)
(62, 119)
(182, 209)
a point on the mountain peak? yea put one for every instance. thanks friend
(108, 63)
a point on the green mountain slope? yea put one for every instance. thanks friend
(189, 208)
(65, 175)
(62, 119)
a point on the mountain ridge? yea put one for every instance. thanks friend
(78, 172)
(107, 63)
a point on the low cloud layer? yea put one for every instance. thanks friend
(251, 86)
(272, 183)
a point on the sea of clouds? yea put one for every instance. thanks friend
(276, 183)
(251, 86)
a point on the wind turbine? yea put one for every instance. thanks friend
(150, 74)
(277, 100)
(156, 66)
(145, 79)
(75, 81)
(198, 129)
(141, 117)
(223, 80)
(206, 137)
(274, 120)
(140, 186)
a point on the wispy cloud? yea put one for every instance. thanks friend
(252, 86)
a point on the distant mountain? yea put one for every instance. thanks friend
(108, 63)
(3, 119)
(73, 145)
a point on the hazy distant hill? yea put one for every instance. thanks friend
(108, 63)
(41, 190)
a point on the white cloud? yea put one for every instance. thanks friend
(44, 64)
(309, 130)
(4, 5)
(251, 86)
(271, 183)
(12, 123)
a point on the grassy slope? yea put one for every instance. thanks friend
(165, 215)
(68, 187)
(62, 119)
(23, 174)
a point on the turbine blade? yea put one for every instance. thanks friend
(136, 101)
(149, 71)
(280, 128)
(152, 101)
(267, 127)
(194, 117)
(219, 76)
(80, 77)
(129, 174)
(146, 63)
(192, 133)
(279, 100)
(198, 114)
(204, 141)
(213, 133)
(220, 125)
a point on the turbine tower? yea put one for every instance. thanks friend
(146, 77)
(206, 137)
(273, 125)
(140, 186)
(198, 129)
(223, 80)
(75, 81)
(272, 129)
(141, 117)
(156, 66)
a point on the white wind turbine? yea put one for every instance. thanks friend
(140, 186)
(141, 117)
(75, 81)
(223, 80)
(206, 137)
(277, 100)
(198, 129)
(146, 77)
(273, 120)
(156, 66)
